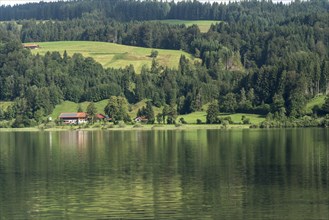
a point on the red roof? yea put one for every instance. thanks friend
(100, 116)
(73, 115)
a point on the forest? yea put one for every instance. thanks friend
(259, 57)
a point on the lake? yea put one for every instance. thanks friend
(179, 174)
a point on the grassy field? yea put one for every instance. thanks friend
(236, 118)
(318, 100)
(203, 25)
(68, 106)
(113, 55)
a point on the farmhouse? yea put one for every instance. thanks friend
(73, 117)
(31, 46)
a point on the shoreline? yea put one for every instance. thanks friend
(130, 128)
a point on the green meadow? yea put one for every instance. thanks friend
(236, 117)
(203, 25)
(191, 118)
(114, 55)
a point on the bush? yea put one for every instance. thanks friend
(222, 119)
(225, 123)
(154, 53)
(137, 126)
(178, 125)
(122, 124)
(111, 126)
(246, 121)
(50, 125)
(182, 120)
(97, 126)
(253, 126)
(199, 121)
(5, 124)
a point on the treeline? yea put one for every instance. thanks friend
(92, 28)
(129, 10)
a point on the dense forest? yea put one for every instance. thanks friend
(258, 57)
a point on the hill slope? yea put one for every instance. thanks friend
(114, 55)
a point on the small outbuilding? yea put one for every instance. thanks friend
(141, 119)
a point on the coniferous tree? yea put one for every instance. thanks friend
(91, 111)
(212, 113)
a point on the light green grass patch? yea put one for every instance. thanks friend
(236, 118)
(203, 25)
(64, 107)
(139, 105)
(318, 100)
(114, 55)
(5, 105)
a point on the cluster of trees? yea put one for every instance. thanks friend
(262, 57)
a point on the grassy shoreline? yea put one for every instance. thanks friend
(130, 128)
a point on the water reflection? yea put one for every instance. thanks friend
(214, 174)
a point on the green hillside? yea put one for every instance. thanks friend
(203, 25)
(113, 55)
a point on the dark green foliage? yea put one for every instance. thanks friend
(116, 109)
(154, 53)
(91, 111)
(182, 120)
(148, 113)
(212, 113)
(159, 118)
(325, 106)
(228, 103)
(199, 121)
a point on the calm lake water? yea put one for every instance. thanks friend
(200, 174)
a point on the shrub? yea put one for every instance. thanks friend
(253, 126)
(225, 123)
(178, 125)
(182, 120)
(246, 121)
(138, 126)
(50, 125)
(154, 53)
(122, 124)
(111, 126)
